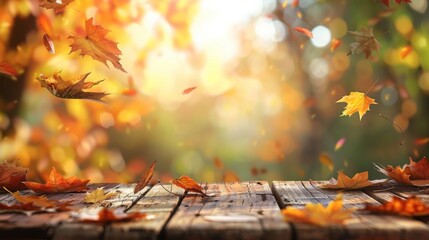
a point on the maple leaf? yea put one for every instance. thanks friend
(188, 184)
(146, 177)
(411, 206)
(98, 195)
(8, 70)
(70, 89)
(304, 31)
(356, 102)
(11, 177)
(58, 184)
(358, 181)
(365, 42)
(57, 5)
(317, 214)
(107, 216)
(415, 173)
(96, 45)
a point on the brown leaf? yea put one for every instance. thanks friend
(325, 159)
(358, 181)
(406, 207)
(415, 173)
(96, 45)
(107, 216)
(58, 184)
(57, 5)
(11, 177)
(188, 184)
(365, 42)
(145, 179)
(70, 89)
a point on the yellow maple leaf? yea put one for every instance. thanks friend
(359, 180)
(98, 195)
(356, 102)
(317, 214)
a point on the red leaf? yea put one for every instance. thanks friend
(58, 184)
(188, 184)
(146, 177)
(304, 31)
(7, 69)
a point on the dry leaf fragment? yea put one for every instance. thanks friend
(98, 195)
(317, 214)
(57, 5)
(358, 181)
(96, 45)
(56, 183)
(304, 31)
(8, 70)
(49, 45)
(365, 42)
(412, 206)
(188, 184)
(11, 177)
(145, 179)
(70, 89)
(107, 216)
(356, 102)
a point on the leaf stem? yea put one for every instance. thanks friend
(372, 86)
(180, 195)
(399, 127)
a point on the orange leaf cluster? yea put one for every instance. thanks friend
(356, 102)
(358, 181)
(11, 177)
(414, 173)
(56, 183)
(145, 179)
(107, 216)
(407, 207)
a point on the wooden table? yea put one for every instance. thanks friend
(241, 210)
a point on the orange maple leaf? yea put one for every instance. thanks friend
(415, 173)
(365, 42)
(57, 5)
(107, 216)
(356, 102)
(146, 177)
(188, 184)
(58, 184)
(317, 214)
(96, 45)
(358, 181)
(406, 207)
(70, 89)
(11, 177)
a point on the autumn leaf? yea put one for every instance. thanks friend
(145, 179)
(335, 44)
(57, 5)
(325, 159)
(406, 207)
(96, 45)
(107, 216)
(8, 70)
(339, 144)
(387, 2)
(58, 184)
(356, 102)
(365, 42)
(98, 195)
(188, 90)
(38, 201)
(317, 214)
(304, 31)
(70, 89)
(419, 170)
(188, 184)
(421, 141)
(358, 181)
(11, 177)
(415, 173)
(49, 45)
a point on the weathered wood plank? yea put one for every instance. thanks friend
(245, 210)
(362, 226)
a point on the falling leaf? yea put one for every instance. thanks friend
(11, 177)
(356, 102)
(414, 173)
(411, 207)
(71, 89)
(405, 51)
(317, 214)
(358, 181)
(96, 45)
(325, 159)
(340, 143)
(57, 5)
(8, 70)
(188, 184)
(49, 45)
(145, 179)
(19, 207)
(295, 3)
(218, 163)
(188, 90)
(421, 141)
(98, 195)
(58, 184)
(107, 216)
(365, 42)
(335, 44)
(304, 31)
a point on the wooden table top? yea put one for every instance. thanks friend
(241, 210)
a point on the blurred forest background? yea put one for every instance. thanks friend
(264, 103)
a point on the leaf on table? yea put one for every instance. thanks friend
(18, 207)
(356, 102)
(188, 184)
(98, 195)
(8, 70)
(57, 5)
(107, 216)
(49, 45)
(358, 181)
(56, 183)
(365, 42)
(11, 177)
(96, 45)
(188, 90)
(70, 89)
(317, 214)
(411, 206)
(40, 202)
(304, 31)
(414, 173)
(145, 179)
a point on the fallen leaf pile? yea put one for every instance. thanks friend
(412, 207)
(414, 173)
(358, 181)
